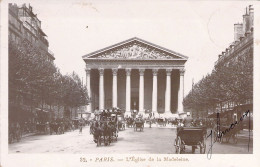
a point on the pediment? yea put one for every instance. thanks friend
(135, 48)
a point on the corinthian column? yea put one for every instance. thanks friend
(168, 92)
(128, 91)
(101, 89)
(154, 101)
(114, 71)
(89, 108)
(181, 91)
(141, 91)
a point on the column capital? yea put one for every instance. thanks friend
(182, 71)
(114, 71)
(88, 71)
(155, 71)
(101, 71)
(141, 71)
(168, 72)
(128, 71)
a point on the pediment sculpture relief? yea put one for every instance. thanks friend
(136, 52)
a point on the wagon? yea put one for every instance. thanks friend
(161, 122)
(102, 133)
(190, 136)
(130, 122)
(139, 124)
(227, 135)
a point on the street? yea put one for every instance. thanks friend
(155, 140)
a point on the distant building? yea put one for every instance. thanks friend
(243, 39)
(24, 24)
(242, 44)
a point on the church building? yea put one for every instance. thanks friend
(136, 75)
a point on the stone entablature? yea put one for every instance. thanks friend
(148, 64)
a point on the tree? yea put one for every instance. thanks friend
(229, 82)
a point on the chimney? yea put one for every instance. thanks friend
(238, 31)
(232, 45)
(246, 22)
(227, 50)
(251, 16)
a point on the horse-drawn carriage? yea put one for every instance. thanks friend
(43, 127)
(139, 124)
(57, 127)
(130, 122)
(222, 130)
(104, 130)
(190, 136)
(161, 122)
(225, 133)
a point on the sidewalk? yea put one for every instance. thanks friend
(28, 134)
(244, 134)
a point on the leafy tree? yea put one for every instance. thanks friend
(229, 82)
(35, 81)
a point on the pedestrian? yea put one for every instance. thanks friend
(80, 127)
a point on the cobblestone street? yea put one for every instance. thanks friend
(155, 140)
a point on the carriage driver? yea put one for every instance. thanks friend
(188, 121)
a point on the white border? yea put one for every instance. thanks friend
(43, 160)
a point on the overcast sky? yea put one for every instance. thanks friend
(200, 30)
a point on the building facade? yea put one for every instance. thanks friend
(136, 75)
(25, 25)
(242, 45)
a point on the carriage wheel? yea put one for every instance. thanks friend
(178, 145)
(203, 147)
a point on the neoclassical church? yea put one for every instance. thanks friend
(136, 75)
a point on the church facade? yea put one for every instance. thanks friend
(136, 75)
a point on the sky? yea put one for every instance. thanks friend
(200, 30)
